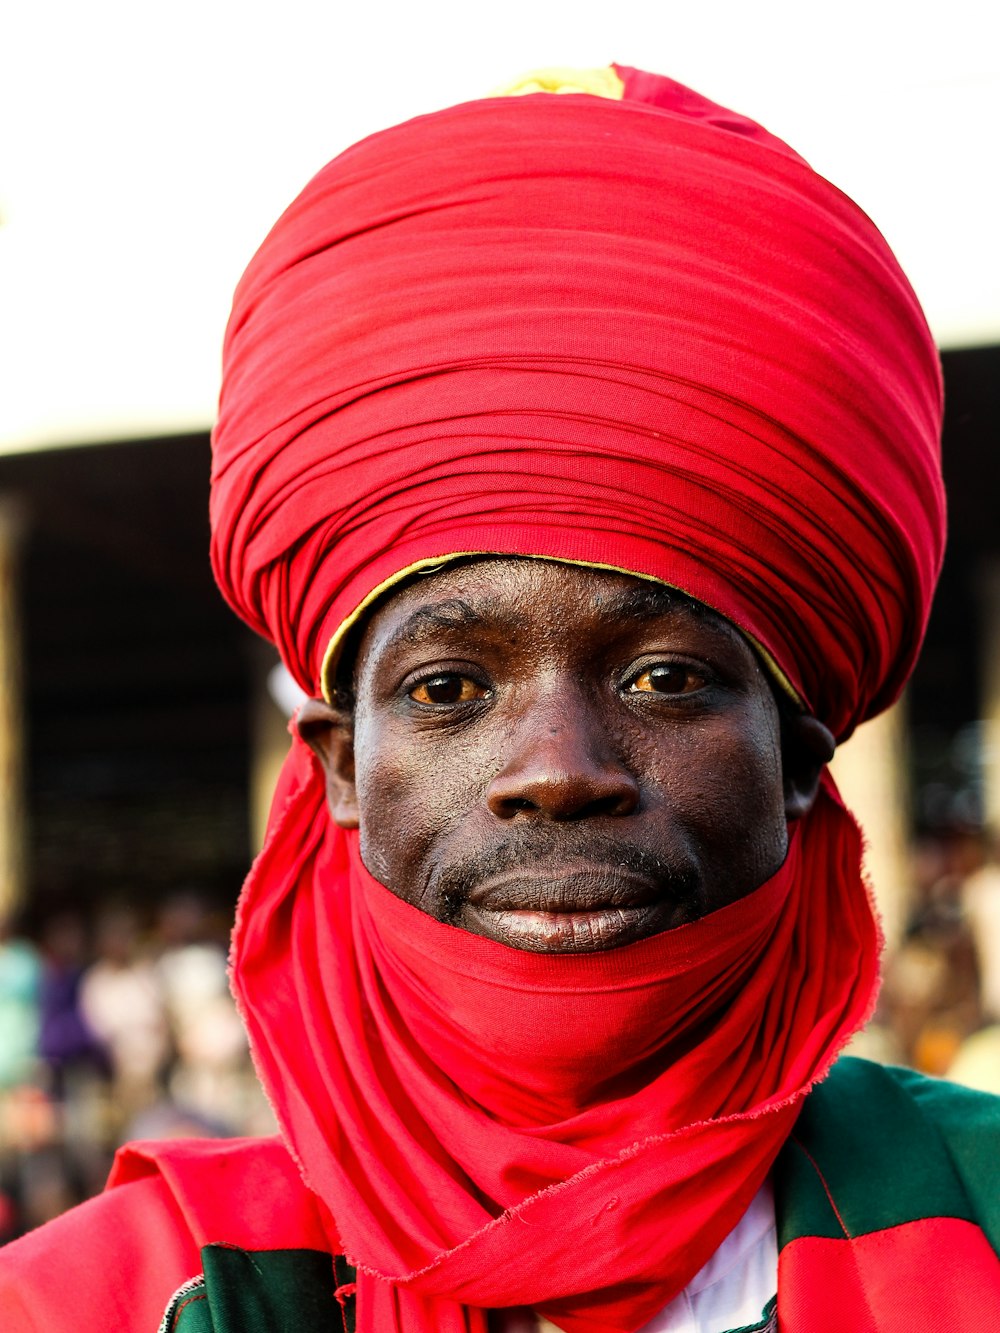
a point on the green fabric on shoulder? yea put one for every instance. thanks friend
(969, 1124)
(876, 1147)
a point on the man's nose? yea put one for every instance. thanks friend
(561, 765)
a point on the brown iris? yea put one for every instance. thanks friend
(668, 678)
(447, 689)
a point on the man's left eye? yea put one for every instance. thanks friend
(447, 689)
(668, 678)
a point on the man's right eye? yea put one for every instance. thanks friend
(447, 689)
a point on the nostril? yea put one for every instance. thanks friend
(562, 796)
(620, 802)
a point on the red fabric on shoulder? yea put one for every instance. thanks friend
(115, 1261)
(112, 1263)
(243, 1192)
(935, 1273)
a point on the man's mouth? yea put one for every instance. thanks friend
(575, 907)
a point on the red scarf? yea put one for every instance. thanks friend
(491, 1127)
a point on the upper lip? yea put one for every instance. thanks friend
(566, 887)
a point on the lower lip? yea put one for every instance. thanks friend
(569, 932)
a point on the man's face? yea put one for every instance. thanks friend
(558, 758)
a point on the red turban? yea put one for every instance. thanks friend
(642, 334)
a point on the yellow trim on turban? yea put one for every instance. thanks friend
(599, 82)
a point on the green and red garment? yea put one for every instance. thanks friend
(887, 1207)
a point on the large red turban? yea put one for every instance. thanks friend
(638, 333)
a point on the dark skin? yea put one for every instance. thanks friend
(562, 759)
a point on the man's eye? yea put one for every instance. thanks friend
(669, 678)
(446, 690)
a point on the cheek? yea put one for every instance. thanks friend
(412, 791)
(386, 804)
(722, 790)
(722, 765)
(752, 805)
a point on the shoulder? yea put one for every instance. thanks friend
(115, 1261)
(886, 1196)
(859, 1083)
(889, 1144)
(968, 1124)
(246, 1192)
(111, 1263)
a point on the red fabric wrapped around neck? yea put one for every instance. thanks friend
(639, 333)
(493, 1128)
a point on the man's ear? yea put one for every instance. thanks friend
(806, 748)
(328, 730)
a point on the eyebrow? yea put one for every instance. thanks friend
(640, 603)
(647, 601)
(453, 614)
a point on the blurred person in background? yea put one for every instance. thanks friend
(66, 1042)
(580, 453)
(76, 1062)
(123, 1005)
(977, 1061)
(20, 977)
(932, 980)
(210, 1074)
(20, 982)
(981, 904)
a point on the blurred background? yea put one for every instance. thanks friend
(144, 153)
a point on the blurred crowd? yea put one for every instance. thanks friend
(939, 1010)
(113, 1028)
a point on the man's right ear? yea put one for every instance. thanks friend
(328, 730)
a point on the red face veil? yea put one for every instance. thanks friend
(635, 332)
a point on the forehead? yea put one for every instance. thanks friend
(512, 595)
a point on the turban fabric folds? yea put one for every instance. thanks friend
(639, 334)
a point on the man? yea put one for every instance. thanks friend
(580, 454)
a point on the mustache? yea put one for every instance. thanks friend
(534, 848)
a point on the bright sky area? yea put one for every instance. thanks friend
(146, 150)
